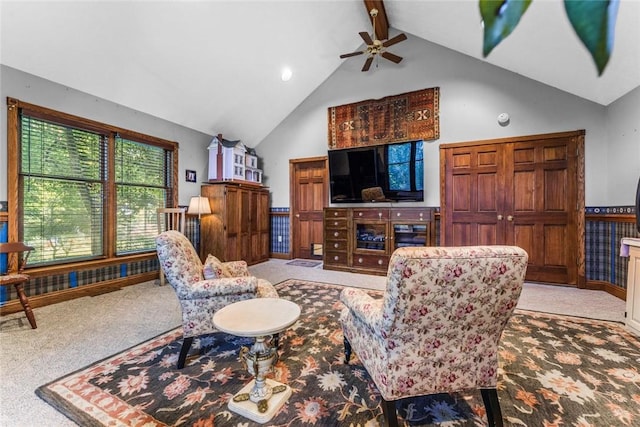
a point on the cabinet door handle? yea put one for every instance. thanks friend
(499, 217)
(336, 245)
(297, 215)
(380, 262)
(335, 214)
(336, 234)
(510, 218)
(336, 258)
(360, 260)
(335, 223)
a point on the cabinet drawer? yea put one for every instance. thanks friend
(370, 261)
(371, 214)
(336, 213)
(335, 223)
(335, 258)
(410, 214)
(336, 245)
(335, 234)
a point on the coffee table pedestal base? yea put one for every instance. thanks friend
(249, 409)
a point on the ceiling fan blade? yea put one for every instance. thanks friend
(397, 39)
(366, 37)
(391, 57)
(349, 55)
(367, 63)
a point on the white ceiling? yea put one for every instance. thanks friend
(215, 66)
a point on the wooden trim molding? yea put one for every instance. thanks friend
(597, 285)
(14, 306)
(620, 218)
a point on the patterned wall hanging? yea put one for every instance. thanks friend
(406, 117)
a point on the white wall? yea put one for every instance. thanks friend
(29, 88)
(472, 94)
(623, 142)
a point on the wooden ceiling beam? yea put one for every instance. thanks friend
(382, 23)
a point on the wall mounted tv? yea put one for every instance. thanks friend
(398, 169)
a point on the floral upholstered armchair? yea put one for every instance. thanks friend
(203, 289)
(437, 327)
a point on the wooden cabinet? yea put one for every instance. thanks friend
(238, 228)
(524, 191)
(363, 239)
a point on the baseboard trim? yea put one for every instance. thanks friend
(36, 301)
(610, 288)
(279, 255)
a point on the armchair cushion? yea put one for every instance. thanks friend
(224, 286)
(236, 268)
(215, 269)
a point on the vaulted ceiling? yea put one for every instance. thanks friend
(215, 66)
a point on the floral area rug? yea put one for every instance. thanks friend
(554, 371)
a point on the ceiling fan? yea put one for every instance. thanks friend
(376, 47)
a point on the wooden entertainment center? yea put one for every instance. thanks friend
(362, 239)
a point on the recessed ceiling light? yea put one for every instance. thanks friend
(286, 74)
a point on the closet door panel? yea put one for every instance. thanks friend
(473, 196)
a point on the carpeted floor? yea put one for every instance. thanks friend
(77, 333)
(555, 370)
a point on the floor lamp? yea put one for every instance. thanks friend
(199, 205)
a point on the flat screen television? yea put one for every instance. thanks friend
(393, 172)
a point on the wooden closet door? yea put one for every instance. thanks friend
(541, 216)
(264, 225)
(231, 247)
(472, 195)
(245, 225)
(523, 191)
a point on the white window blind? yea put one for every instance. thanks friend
(62, 191)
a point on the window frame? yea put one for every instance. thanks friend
(14, 186)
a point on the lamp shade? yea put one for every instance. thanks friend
(199, 205)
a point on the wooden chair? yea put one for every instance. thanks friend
(17, 278)
(170, 219)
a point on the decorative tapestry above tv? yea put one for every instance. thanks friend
(406, 117)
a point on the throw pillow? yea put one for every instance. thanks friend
(213, 268)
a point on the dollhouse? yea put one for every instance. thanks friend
(232, 161)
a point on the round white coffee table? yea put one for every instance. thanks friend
(258, 318)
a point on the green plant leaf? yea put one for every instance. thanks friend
(500, 17)
(594, 22)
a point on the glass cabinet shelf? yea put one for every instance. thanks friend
(371, 236)
(409, 235)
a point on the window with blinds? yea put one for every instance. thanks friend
(66, 174)
(141, 188)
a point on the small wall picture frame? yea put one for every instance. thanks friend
(190, 176)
